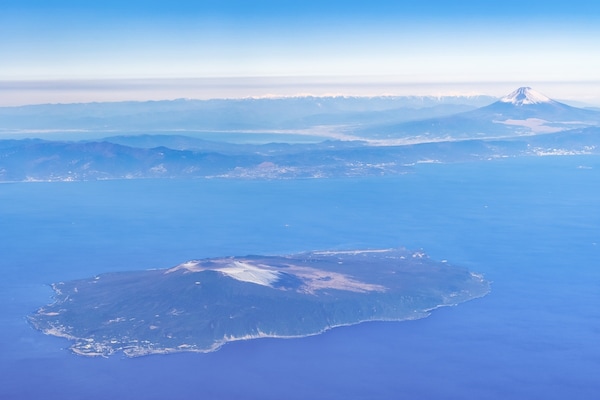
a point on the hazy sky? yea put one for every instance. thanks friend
(67, 50)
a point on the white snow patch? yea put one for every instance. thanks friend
(525, 96)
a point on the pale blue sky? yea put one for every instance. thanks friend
(319, 47)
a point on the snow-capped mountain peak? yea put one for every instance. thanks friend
(525, 96)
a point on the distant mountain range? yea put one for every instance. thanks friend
(229, 114)
(522, 112)
(524, 123)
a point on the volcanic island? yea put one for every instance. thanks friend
(200, 305)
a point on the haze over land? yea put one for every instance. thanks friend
(136, 135)
(307, 137)
(64, 51)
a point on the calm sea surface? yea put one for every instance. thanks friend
(531, 225)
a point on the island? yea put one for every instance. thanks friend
(200, 305)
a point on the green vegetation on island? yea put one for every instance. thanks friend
(202, 304)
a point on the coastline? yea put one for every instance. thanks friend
(215, 290)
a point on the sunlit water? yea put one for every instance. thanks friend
(531, 225)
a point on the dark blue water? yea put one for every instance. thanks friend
(531, 225)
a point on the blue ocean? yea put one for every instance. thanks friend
(530, 225)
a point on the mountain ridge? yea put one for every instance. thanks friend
(525, 95)
(521, 112)
(52, 161)
(230, 114)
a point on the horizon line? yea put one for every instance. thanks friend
(14, 93)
